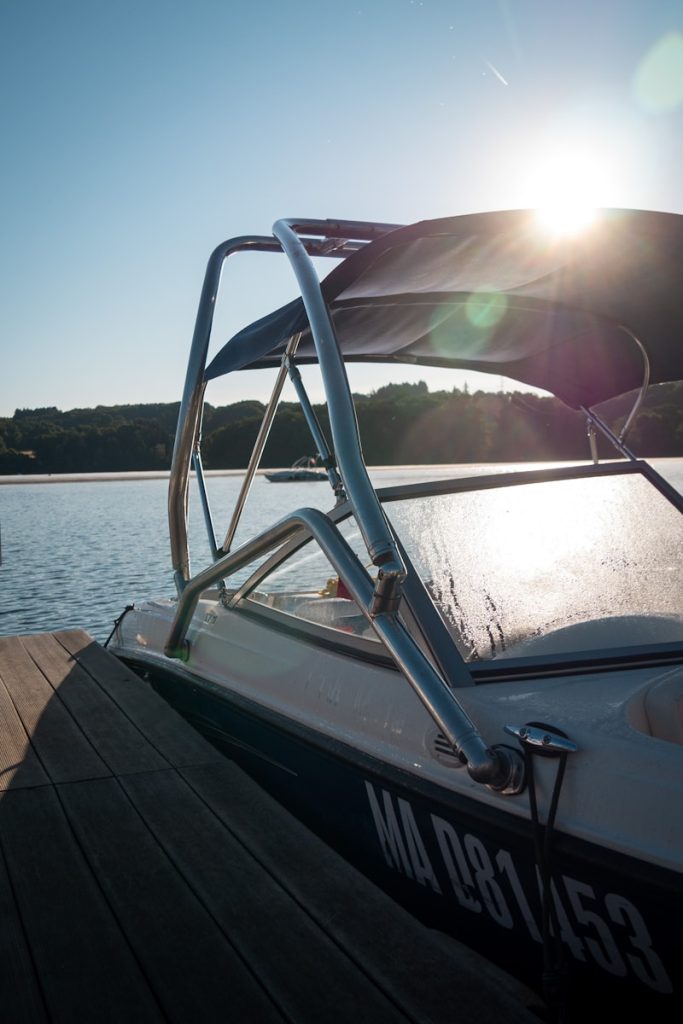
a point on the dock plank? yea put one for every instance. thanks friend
(157, 719)
(19, 764)
(269, 928)
(120, 744)
(375, 932)
(86, 967)
(21, 999)
(64, 751)
(134, 890)
(194, 971)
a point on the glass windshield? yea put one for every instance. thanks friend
(549, 568)
(306, 586)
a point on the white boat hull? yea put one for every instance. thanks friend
(348, 746)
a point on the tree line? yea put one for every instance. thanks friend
(399, 424)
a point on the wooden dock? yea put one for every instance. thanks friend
(144, 877)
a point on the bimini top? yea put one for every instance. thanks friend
(493, 292)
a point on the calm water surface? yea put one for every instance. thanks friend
(74, 554)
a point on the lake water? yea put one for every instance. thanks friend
(74, 554)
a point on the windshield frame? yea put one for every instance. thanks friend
(423, 611)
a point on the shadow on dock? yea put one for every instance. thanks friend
(144, 877)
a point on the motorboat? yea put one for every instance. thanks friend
(471, 687)
(304, 468)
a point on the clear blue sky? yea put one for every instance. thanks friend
(137, 135)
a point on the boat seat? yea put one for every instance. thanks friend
(663, 707)
(334, 612)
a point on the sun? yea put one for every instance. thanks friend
(568, 187)
(563, 218)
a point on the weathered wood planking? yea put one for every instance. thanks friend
(86, 969)
(144, 877)
(18, 760)
(417, 969)
(305, 968)
(162, 726)
(63, 750)
(188, 960)
(118, 741)
(20, 993)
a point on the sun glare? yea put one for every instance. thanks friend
(565, 218)
(568, 188)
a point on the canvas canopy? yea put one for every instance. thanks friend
(494, 292)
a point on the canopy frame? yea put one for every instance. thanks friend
(328, 238)
(299, 240)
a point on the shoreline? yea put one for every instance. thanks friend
(162, 474)
(106, 477)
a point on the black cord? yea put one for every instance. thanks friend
(554, 978)
(128, 608)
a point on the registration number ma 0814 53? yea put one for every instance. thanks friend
(604, 928)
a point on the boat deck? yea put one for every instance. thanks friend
(145, 877)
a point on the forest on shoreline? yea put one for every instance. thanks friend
(400, 424)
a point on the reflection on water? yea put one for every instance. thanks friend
(75, 554)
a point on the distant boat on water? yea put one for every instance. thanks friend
(303, 469)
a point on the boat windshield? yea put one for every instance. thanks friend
(550, 567)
